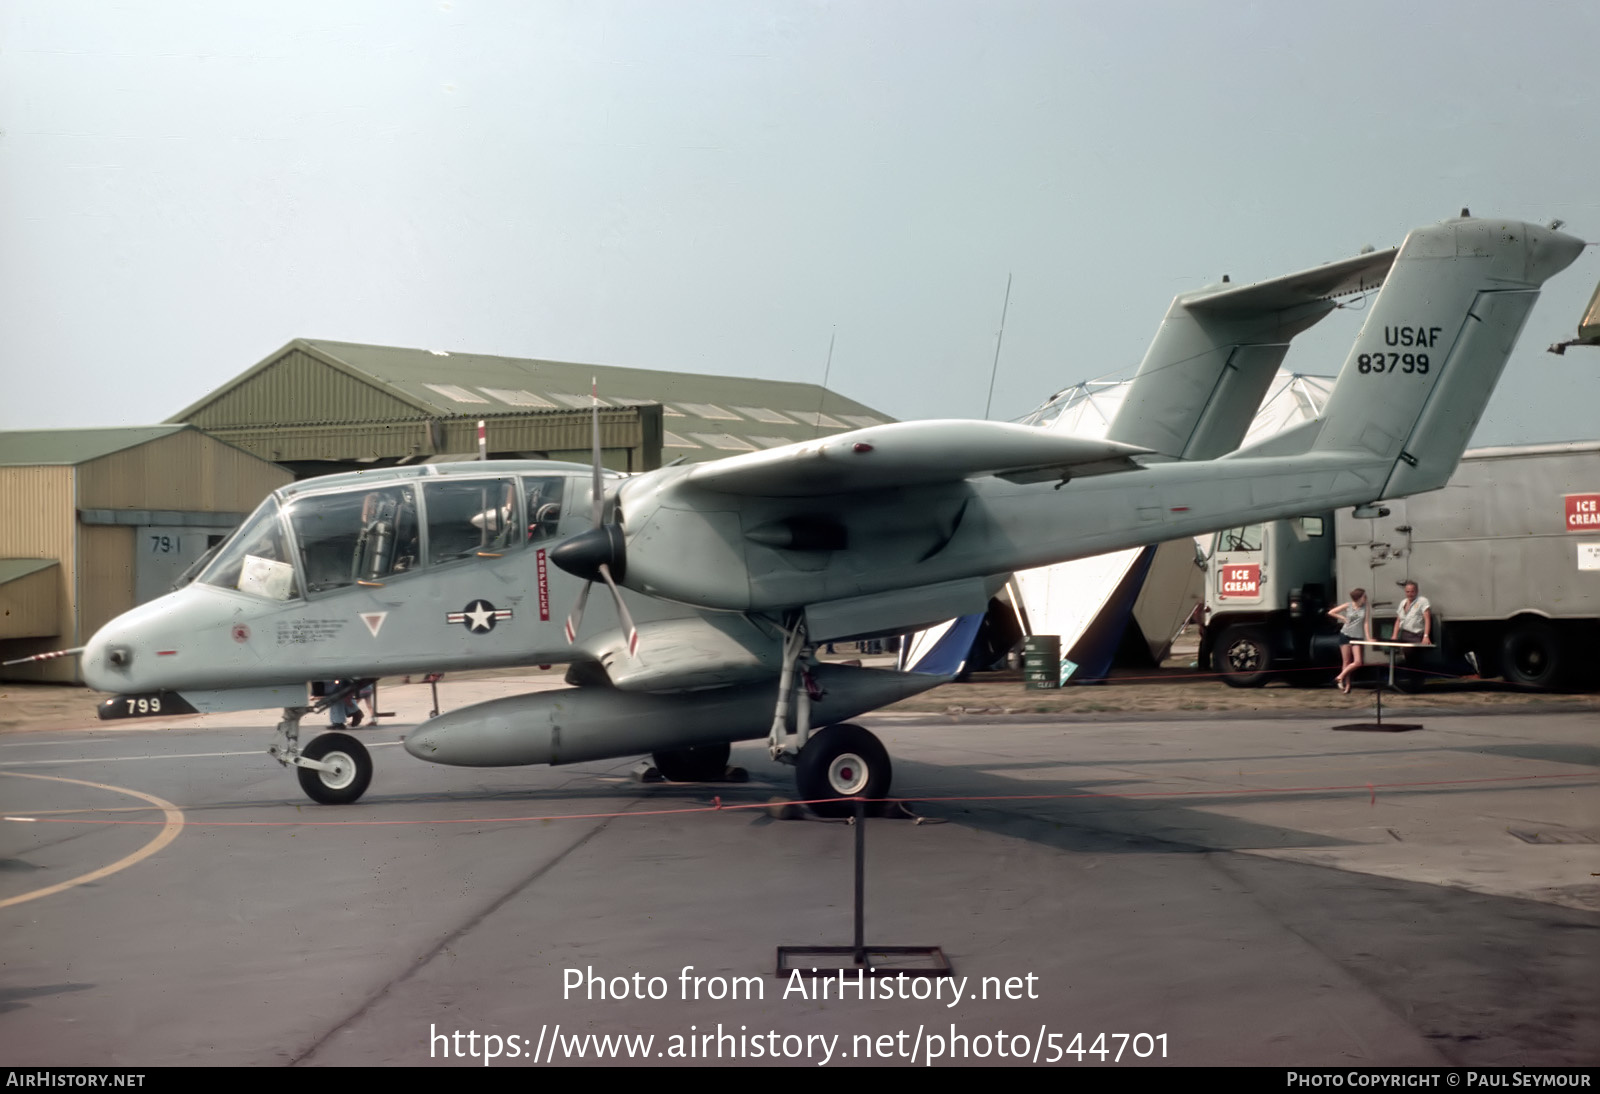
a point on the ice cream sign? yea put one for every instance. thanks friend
(1583, 512)
(1239, 581)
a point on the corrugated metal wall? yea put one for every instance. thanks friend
(546, 432)
(31, 606)
(299, 387)
(37, 520)
(302, 408)
(104, 577)
(187, 471)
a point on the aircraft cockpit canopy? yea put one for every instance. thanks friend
(256, 560)
(372, 534)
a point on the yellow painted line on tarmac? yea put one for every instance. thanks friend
(169, 832)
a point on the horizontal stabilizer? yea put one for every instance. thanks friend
(1215, 354)
(910, 454)
(1431, 350)
(1326, 282)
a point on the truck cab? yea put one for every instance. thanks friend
(1268, 589)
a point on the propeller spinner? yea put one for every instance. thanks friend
(600, 553)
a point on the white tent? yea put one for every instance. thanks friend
(1081, 598)
(1068, 598)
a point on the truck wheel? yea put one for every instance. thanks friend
(1531, 654)
(1244, 656)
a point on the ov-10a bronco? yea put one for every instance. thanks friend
(722, 576)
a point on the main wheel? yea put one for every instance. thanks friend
(351, 774)
(708, 763)
(1531, 654)
(1244, 656)
(842, 761)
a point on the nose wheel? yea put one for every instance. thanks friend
(842, 761)
(334, 769)
(343, 771)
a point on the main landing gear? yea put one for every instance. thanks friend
(840, 761)
(334, 769)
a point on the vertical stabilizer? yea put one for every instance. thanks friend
(1204, 376)
(1434, 344)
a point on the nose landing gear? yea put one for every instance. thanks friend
(334, 769)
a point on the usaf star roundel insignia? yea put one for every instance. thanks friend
(479, 617)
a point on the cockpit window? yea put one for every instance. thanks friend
(256, 560)
(480, 517)
(544, 495)
(355, 536)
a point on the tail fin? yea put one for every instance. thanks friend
(1434, 345)
(1217, 350)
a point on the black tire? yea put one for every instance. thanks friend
(1244, 656)
(1530, 654)
(842, 761)
(708, 763)
(343, 786)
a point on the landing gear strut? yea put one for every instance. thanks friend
(839, 761)
(334, 769)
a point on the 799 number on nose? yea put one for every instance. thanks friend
(150, 704)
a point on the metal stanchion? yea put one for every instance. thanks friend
(859, 957)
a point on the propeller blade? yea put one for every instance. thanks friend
(622, 612)
(575, 620)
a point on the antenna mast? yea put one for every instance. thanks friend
(999, 338)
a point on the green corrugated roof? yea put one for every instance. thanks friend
(56, 447)
(704, 416)
(495, 381)
(13, 568)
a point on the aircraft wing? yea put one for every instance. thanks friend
(1349, 275)
(911, 454)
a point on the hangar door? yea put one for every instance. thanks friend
(161, 553)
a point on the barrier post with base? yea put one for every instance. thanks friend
(870, 960)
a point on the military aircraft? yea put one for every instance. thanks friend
(723, 576)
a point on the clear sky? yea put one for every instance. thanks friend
(721, 186)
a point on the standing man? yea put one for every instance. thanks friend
(1415, 621)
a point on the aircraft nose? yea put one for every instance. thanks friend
(107, 662)
(168, 643)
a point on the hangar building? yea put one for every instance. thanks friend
(318, 407)
(95, 521)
